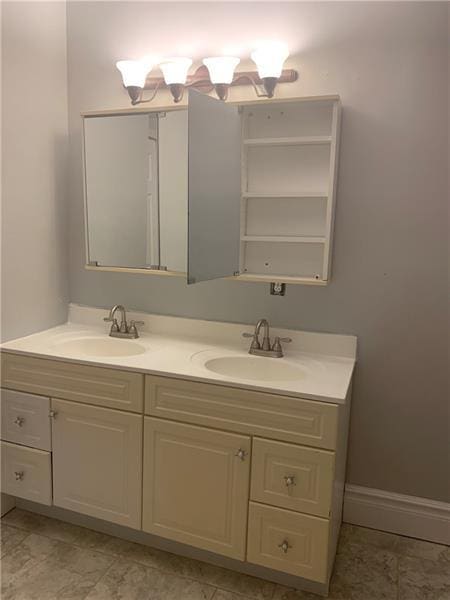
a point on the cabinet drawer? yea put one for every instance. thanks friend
(293, 477)
(268, 415)
(290, 542)
(25, 419)
(26, 473)
(92, 385)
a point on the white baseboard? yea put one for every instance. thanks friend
(405, 515)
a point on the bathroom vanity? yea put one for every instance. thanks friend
(179, 435)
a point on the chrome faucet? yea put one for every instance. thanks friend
(123, 330)
(266, 349)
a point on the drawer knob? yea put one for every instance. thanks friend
(18, 475)
(289, 480)
(284, 546)
(52, 414)
(19, 421)
(241, 454)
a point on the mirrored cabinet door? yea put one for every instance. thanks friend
(136, 178)
(121, 179)
(214, 188)
(173, 189)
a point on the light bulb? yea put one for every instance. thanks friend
(221, 68)
(134, 72)
(269, 59)
(175, 70)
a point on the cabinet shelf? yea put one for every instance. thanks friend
(288, 195)
(288, 191)
(288, 141)
(291, 239)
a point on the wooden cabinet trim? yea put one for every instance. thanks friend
(99, 386)
(273, 416)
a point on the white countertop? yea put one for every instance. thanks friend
(179, 347)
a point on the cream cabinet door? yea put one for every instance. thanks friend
(196, 486)
(97, 462)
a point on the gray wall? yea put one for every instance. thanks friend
(34, 156)
(388, 62)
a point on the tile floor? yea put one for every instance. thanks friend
(46, 559)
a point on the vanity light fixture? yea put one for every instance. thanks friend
(175, 72)
(217, 73)
(221, 73)
(134, 74)
(269, 59)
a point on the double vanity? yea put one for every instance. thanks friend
(236, 458)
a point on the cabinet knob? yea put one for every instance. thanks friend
(18, 475)
(241, 454)
(289, 480)
(52, 414)
(284, 546)
(19, 421)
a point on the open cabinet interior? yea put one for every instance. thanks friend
(289, 156)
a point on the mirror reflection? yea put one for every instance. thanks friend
(136, 190)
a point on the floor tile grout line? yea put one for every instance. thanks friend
(19, 544)
(72, 543)
(116, 558)
(186, 578)
(39, 561)
(55, 551)
(396, 551)
(95, 581)
(202, 581)
(274, 591)
(161, 570)
(238, 595)
(15, 546)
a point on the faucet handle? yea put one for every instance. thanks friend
(114, 326)
(255, 345)
(277, 344)
(132, 329)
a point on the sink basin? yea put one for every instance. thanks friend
(255, 368)
(102, 347)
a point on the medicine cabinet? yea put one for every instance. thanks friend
(214, 189)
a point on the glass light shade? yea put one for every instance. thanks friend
(221, 68)
(175, 70)
(134, 72)
(269, 59)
